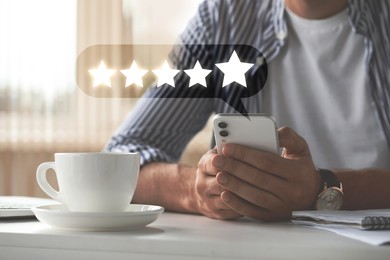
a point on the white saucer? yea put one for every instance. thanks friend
(136, 216)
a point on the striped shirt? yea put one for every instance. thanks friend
(165, 120)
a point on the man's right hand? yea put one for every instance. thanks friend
(208, 191)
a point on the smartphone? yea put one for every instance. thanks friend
(259, 131)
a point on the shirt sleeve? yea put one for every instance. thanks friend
(166, 118)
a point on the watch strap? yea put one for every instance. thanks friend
(329, 179)
(331, 192)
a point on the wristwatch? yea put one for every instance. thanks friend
(331, 196)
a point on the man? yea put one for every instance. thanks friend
(328, 80)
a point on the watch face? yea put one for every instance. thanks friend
(330, 199)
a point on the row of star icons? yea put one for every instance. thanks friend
(234, 71)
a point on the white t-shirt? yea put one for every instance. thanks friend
(317, 86)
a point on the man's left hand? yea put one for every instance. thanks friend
(266, 186)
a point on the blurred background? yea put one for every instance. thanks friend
(42, 110)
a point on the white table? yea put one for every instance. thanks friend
(180, 236)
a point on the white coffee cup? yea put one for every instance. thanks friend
(92, 182)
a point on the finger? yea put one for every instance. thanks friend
(213, 187)
(205, 163)
(207, 186)
(215, 207)
(244, 207)
(261, 160)
(215, 203)
(293, 144)
(254, 195)
(250, 210)
(265, 171)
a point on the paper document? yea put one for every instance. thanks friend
(369, 226)
(362, 219)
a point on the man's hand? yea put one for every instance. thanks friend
(262, 185)
(208, 191)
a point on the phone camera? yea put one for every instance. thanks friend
(222, 125)
(224, 133)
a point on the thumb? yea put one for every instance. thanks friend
(294, 145)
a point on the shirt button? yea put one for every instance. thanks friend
(260, 61)
(281, 35)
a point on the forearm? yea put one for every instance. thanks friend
(365, 189)
(168, 185)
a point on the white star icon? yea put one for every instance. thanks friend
(197, 75)
(102, 75)
(234, 70)
(166, 75)
(134, 75)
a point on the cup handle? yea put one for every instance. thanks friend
(42, 180)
